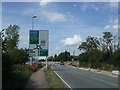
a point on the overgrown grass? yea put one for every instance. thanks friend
(17, 78)
(53, 80)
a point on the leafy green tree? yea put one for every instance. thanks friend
(64, 56)
(55, 56)
(107, 38)
(12, 37)
(50, 58)
(90, 44)
(21, 56)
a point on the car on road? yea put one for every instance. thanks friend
(116, 72)
(62, 63)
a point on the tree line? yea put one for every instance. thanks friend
(103, 53)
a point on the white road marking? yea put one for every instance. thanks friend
(61, 79)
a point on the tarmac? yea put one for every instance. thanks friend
(37, 80)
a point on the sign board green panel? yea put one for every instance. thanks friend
(43, 52)
(34, 37)
(32, 51)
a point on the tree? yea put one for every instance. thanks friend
(107, 38)
(55, 56)
(12, 37)
(91, 43)
(64, 56)
(50, 58)
(21, 56)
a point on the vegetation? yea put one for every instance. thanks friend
(53, 80)
(14, 70)
(101, 53)
(63, 56)
(17, 78)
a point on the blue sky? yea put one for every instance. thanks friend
(69, 23)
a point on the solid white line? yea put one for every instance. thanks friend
(61, 79)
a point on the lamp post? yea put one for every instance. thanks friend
(32, 29)
(33, 21)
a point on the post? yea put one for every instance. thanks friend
(46, 62)
(32, 23)
(38, 51)
(0, 61)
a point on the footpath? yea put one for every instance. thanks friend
(37, 80)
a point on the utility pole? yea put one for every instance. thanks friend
(33, 22)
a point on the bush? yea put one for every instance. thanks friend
(18, 78)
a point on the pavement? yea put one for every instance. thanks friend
(79, 78)
(37, 80)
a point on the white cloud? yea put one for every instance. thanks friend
(85, 7)
(45, 2)
(28, 12)
(107, 27)
(54, 16)
(113, 20)
(113, 24)
(113, 4)
(113, 27)
(57, 48)
(72, 41)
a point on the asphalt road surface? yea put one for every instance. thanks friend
(77, 78)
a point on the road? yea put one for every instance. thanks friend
(77, 78)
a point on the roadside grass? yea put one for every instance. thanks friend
(17, 78)
(53, 80)
(75, 65)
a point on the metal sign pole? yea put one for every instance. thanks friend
(46, 62)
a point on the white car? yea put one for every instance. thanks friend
(116, 72)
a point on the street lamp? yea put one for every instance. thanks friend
(33, 21)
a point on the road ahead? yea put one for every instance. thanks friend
(77, 78)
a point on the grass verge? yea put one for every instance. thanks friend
(53, 80)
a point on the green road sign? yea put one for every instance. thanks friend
(34, 37)
(43, 52)
(32, 51)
